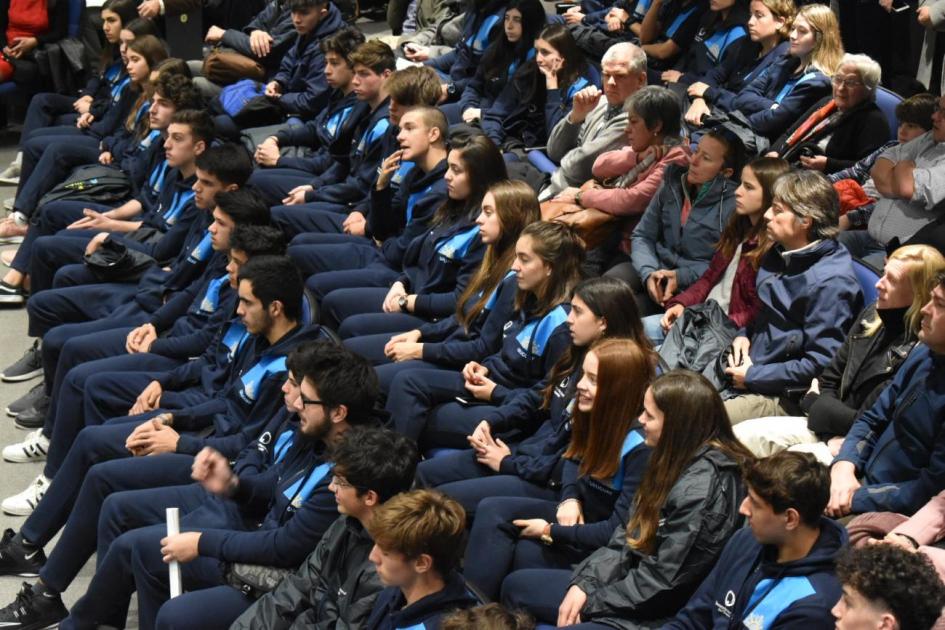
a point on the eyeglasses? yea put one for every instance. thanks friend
(847, 83)
(307, 401)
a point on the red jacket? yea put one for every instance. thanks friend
(744, 302)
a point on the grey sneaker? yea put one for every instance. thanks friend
(11, 174)
(28, 400)
(30, 365)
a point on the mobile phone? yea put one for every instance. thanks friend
(900, 8)
(411, 47)
(465, 402)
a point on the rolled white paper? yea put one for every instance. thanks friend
(173, 528)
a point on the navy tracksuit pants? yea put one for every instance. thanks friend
(81, 535)
(46, 164)
(133, 561)
(318, 216)
(47, 111)
(423, 406)
(460, 476)
(52, 217)
(274, 184)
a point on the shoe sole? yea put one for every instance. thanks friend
(11, 240)
(26, 427)
(10, 181)
(20, 377)
(13, 300)
(23, 512)
(14, 460)
(11, 413)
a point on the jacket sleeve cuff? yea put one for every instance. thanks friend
(211, 543)
(189, 444)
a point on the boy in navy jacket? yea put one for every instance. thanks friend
(779, 571)
(893, 458)
(418, 541)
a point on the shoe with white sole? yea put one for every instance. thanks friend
(32, 449)
(30, 365)
(11, 174)
(8, 203)
(24, 503)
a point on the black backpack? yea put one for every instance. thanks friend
(699, 341)
(93, 182)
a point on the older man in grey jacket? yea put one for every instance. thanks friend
(595, 124)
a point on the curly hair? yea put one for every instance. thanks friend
(904, 583)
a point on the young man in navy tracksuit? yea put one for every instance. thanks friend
(418, 541)
(336, 586)
(238, 392)
(299, 87)
(326, 138)
(779, 571)
(893, 458)
(323, 205)
(809, 296)
(283, 482)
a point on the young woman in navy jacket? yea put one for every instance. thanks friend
(548, 258)
(601, 308)
(773, 100)
(769, 24)
(603, 466)
(436, 264)
(484, 306)
(683, 514)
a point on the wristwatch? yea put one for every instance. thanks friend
(402, 303)
(545, 537)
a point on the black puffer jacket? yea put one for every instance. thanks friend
(335, 587)
(864, 365)
(628, 589)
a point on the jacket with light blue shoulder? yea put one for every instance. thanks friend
(660, 241)
(809, 299)
(726, 83)
(449, 344)
(606, 503)
(719, 47)
(480, 28)
(329, 134)
(898, 444)
(748, 588)
(439, 264)
(283, 485)
(531, 345)
(391, 612)
(777, 97)
(353, 184)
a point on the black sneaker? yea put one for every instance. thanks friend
(11, 295)
(16, 559)
(32, 418)
(33, 611)
(31, 398)
(30, 365)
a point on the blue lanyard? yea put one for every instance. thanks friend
(679, 21)
(790, 85)
(211, 299)
(412, 201)
(514, 65)
(144, 109)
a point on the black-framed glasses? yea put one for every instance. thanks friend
(308, 401)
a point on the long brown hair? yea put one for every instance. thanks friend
(610, 299)
(561, 249)
(516, 206)
(739, 229)
(625, 369)
(484, 166)
(693, 417)
(154, 52)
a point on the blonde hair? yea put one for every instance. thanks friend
(785, 9)
(922, 265)
(828, 49)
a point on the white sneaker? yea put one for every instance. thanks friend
(11, 174)
(8, 203)
(24, 503)
(32, 449)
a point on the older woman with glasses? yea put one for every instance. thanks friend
(842, 128)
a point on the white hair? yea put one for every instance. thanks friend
(868, 70)
(628, 54)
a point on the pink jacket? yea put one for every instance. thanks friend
(631, 201)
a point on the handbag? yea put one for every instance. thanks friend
(116, 262)
(223, 67)
(253, 580)
(594, 226)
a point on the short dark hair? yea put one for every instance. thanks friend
(302, 5)
(375, 55)
(378, 459)
(244, 206)
(228, 162)
(917, 109)
(341, 376)
(904, 583)
(258, 240)
(734, 149)
(791, 480)
(199, 121)
(275, 278)
(343, 42)
(179, 90)
(414, 86)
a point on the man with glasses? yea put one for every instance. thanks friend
(594, 124)
(270, 508)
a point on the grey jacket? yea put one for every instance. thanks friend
(334, 588)
(937, 15)
(575, 147)
(899, 218)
